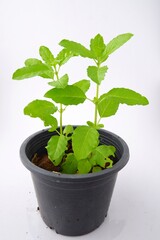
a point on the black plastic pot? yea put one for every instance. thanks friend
(73, 204)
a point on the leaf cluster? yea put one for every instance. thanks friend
(77, 150)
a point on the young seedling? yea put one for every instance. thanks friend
(77, 150)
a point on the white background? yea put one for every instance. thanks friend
(24, 26)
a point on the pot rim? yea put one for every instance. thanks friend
(76, 177)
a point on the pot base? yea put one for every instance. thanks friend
(80, 231)
(74, 210)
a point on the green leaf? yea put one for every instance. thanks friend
(84, 166)
(96, 169)
(84, 85)
(76, 48)
(50, 121)
(30, 71)
(40, 108)
(106, 150)
(68, 130)
(101, 153)
(97, 74)
(70, 95)
(117, 42)
(98, 126)
(48, 74)
(84, 140)
(109, 163)
(34, 61)
(61, 83)
(70, 165)
(97, 46)
(63, 56)
(47, 55)
(107, 106)
(104, 57)
(56, 147)
(109, 102)
(43, 110)
(127, 96)
(91, 124)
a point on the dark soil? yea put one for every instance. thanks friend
(43, 161)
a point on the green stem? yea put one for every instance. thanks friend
(96, 108)
(96, 99)
(57, 132)
(56, 73)
(90, 100)
(99, 120)
(61, 106)
(60, 119)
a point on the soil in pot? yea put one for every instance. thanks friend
(42, 160)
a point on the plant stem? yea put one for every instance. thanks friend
(96, 108)
(60, 119)
(61, 106)
(99, 120)
(96, 98)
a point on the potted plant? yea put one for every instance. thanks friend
(74, 168)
